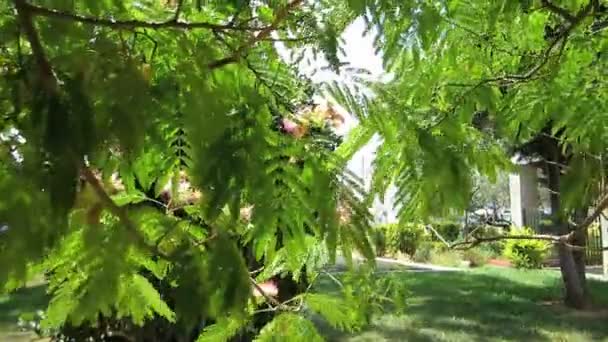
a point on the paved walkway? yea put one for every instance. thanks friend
(414, 266)
(592, 272)
(393, 265)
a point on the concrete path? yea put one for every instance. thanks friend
(414, 266)
(393, 265)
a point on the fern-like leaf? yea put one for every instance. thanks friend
(289, 327)
(222, 331)
(336, 311)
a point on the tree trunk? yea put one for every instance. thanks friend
(575, 294)
(572, 266)
(580, 239)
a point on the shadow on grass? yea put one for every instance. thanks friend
(25, 301)
(483, 305)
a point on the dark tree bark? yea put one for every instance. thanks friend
(571, 263)
(580, 239)
(575, 294)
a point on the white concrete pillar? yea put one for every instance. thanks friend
(525, 199)
(604, 235)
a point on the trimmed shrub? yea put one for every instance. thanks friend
(495, 247)
(523, 253)
(450, 231)
(424, 251)
(450, 258)
(379, 241)
(477, 256)
(404, 238)
(427, 248)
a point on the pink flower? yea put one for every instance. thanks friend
(268, 287)
(289, 126)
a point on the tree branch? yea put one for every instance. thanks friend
(516, 78)
(562, 12)
(294, 39)
(120, 212)
(34, 10)
(178, 9)
(599, 209)
(562, 36)
(270, 300)
(476, 241)
(263, 34)
(554, 239)
(48, 79)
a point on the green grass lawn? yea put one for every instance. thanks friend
(487, 304)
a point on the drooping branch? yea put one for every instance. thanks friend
(599, 209)
(477, 240)
(34, 10)
(565, 239)
(263, 34)
(118, 211)
(270, 299)
(562, 12)
(554, 239)
(508, 79)
(291, 39)
(51, 86)
(47, 76)
(546, 55)
(178, 9)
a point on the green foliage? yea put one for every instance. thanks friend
(448, 258)
(378, 236)
(495, 247)
(336, 311)
(131, 145)
(370, 295)
(223, 330)
(449, 231)
(526, 253)
(477, 256)
(289, 326)
(424, 251)
(486, 78)
(195, 87)
(437, 253)
(400, 237)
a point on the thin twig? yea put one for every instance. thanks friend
(178, 9)
(205, 240)
(34, 10)
(562, 12)
(120, 212)
(599, 209)
(47, 75)
(509, 79)
(270, 300)
(332, 277)
(256, 271)
(292, 39)
(554, 239)
(263, 34)
(270, 87)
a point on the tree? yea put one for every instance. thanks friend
(148, 177)
(511, 68)
(105, 101)
(486, 194)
